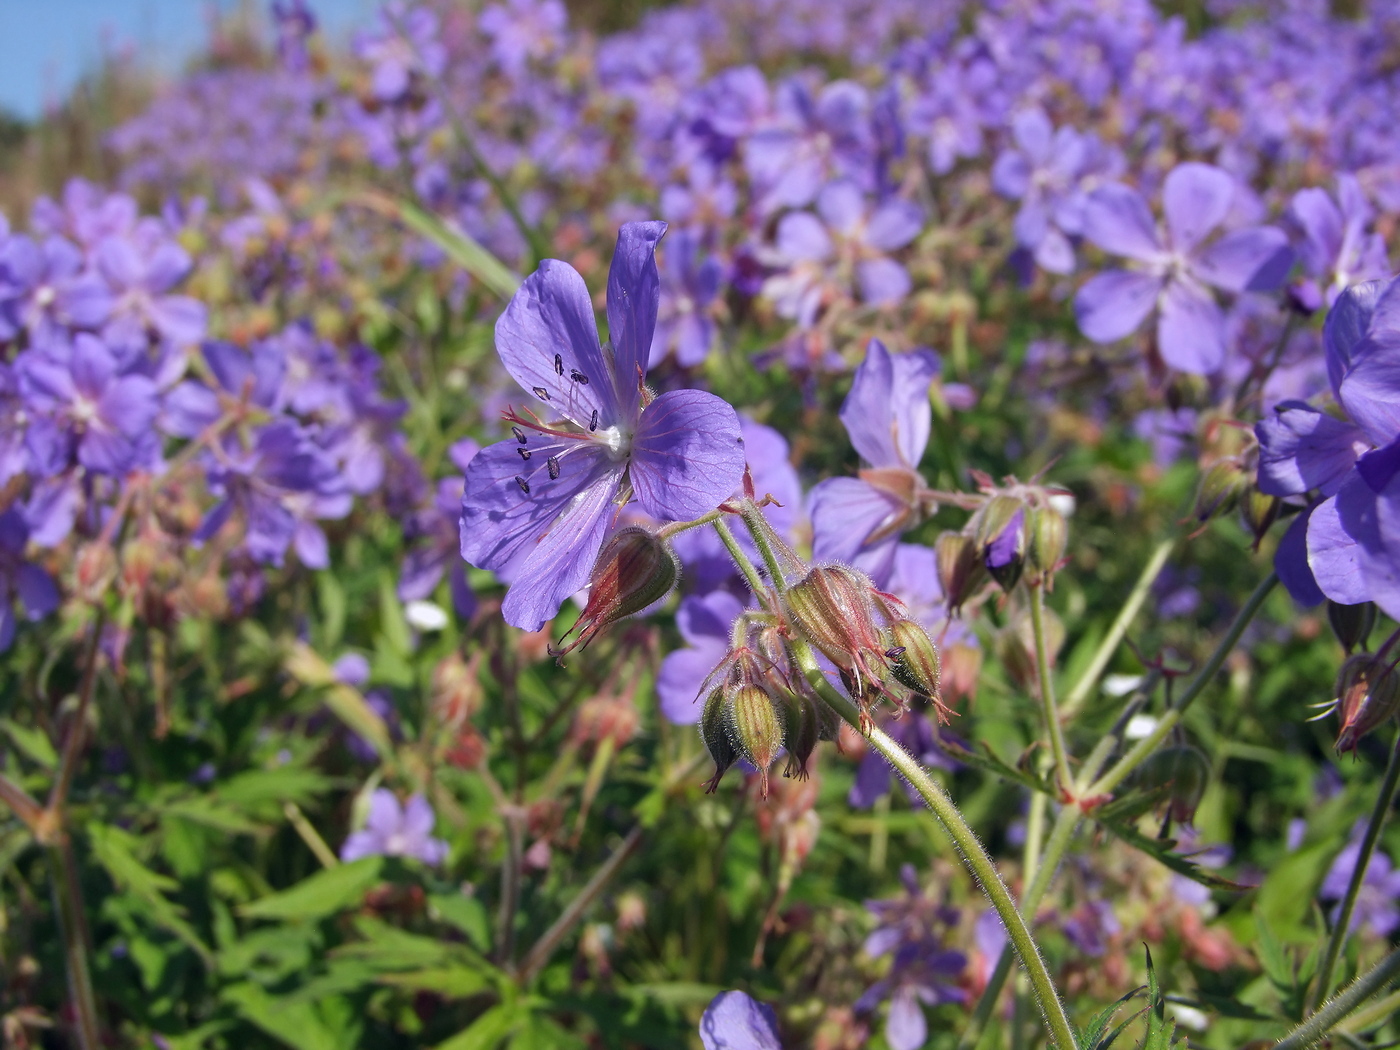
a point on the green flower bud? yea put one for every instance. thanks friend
(1352, 624)
(756, 728)
(833, 608)
(1181, 774)
(959, 568)
(1258, 512)
(635, 569)
(1049, 535)
(917, 664)
(1368, 695)
(1221, 487)
(714, 731)
(802, 717)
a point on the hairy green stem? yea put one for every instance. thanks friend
(741, 559)
(1169, 721)
(1064, 778)
(1353, 995)
(73, 930)
(1342, 927)
(1104, 653)
(974, 855)
(1380, 1010)
(1057, 845)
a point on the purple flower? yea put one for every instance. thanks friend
(705, 624)
(20, 579)
(405, 44)
(102, 415)
(845, 240)
(392, 830)
(813, 138)
(1347, 547)
(1044, 173)
(141, 271)
(45, 288)
(1090, 926)
(1176, 266)
(887, 415)
(911, 928)
(521, 30)
(1336, 249)
(537, 507)
(1377, 902)
(690, 284)
(707, 564)
(295, 22)
(735, 1021)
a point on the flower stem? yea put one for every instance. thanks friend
(973, 853)
(1319, 1024)
(741, 559)
(1169, 721)
(538, 955)
(1047, 691)
(1085, 685)
(68, 902)
(1342, 927)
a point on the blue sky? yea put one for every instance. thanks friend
(45, 45)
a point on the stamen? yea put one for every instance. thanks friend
(524, 485)
(553, 464)
(519, 434)
(540, 392)
(558, 365)
(593, 423)
(577, 376)
(524, 453)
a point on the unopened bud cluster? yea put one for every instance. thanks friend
(1019, 532)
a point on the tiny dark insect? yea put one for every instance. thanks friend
(524, 453)
(519, 434)
(558, 365)
(540, 392)
(577, 376)
(553, 464)
(895, 653)
(524, 485)
(593, 423)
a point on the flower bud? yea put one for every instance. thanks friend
(1049, 534)
(962, 666)
(714, 731)
(959, 568)
(1368, 694)
(635, 569)
(802, 718)
(833, 608)
(1001, 539)
(1181, 774)
(756, 728)
(456, 692)
(918, 664)
(1221, 487)
(1351, 624)
(1258, 512)
(96, 568)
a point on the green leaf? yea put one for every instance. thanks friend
(1270, 954)
(320, 895)
(33, 743)
(302, 1025)
(1160, 850)
(450, 982)
(115, 850)
(461, 248)
(1095, 1035)
(1160, 1027)
(262, 786)
(488, 1030)
(211, 814)
(467, 914)
(391, 948)
(391, 619)
(331, 597)
(986, 759)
